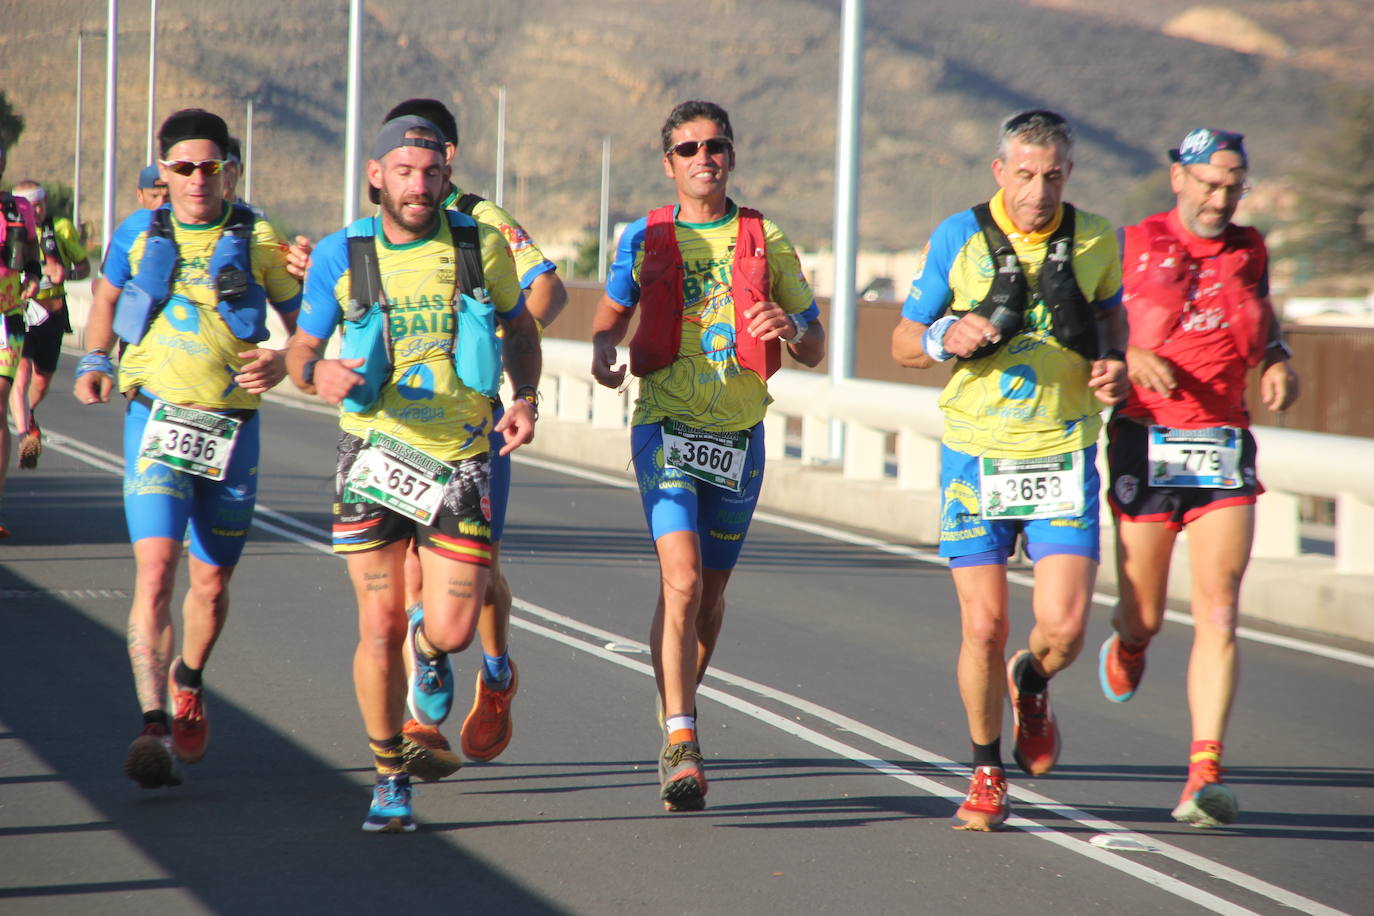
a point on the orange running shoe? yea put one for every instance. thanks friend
(190, 727)
(487, 729)
(1119, 669)
(986, 807)
(427, 754)
(1033, 727)
(1206, 801)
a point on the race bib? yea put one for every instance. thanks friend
(1026, 488)
(195, 441)
(716, 458)
(400, 477)
(1200, 458)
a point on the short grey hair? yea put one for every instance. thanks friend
(1035, 127)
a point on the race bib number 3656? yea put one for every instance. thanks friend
(195, 441)
(717, 458)
(1026, 488)
(390, 473)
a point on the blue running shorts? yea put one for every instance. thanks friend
(159, 501)
(674, 501)
(967, 540)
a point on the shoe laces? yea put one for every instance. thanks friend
(494, 704)
(393, 792)
(988, 787)
(683, 751)
(1204, 772)
(1035, 713)
(430, 679)
(1130, 661)
(190, 709)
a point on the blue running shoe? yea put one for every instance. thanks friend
(390, 811)
(430, 696)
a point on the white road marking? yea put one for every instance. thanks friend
(290, 528)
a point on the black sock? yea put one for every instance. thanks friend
(1029, 680)
(988, 755)
(157, 717)
(186, 676)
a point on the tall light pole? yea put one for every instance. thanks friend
(76, 154)
(152, 76)
(500, 196)
(353, 115)
(842, 310)
(247, 150)
(603, 239)
(107, 221)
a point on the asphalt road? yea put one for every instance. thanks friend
(831, 727)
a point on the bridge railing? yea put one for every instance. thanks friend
(891, 432)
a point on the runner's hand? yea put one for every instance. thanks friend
(603, 361)
(263, 371)
(517, 425)
(1150, 370)
(335, 378)
(1278, 386)
(94, 379)
(1109, 381)
(968, 334)
(767, 321)
(298, 257)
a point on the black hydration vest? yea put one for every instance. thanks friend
(1072, 320)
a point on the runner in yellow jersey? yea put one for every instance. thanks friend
(186, 287)
(417, 290)
(488, 727)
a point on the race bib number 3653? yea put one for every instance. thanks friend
(390, 473)
(195, 441)
(717, 458)
(1026, 488)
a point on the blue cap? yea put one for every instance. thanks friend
(148, 177)
(1197, 148)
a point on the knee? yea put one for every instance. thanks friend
(986, 633)
(381, 634)
(1218, 619)
(451, 636)
(682, 585)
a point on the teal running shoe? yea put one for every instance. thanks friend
(390, 811)
(430, 696)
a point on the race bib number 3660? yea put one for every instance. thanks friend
(1026, 488)
(390, 473)
(717, 458)
(195, 441)
(1199, 458)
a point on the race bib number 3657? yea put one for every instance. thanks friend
(390, 473)
(1026, 488)
(195, 441)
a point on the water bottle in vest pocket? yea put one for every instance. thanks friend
(478, 353)
(240, 302)
(367, 338)
(143, 296)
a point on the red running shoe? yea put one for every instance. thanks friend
(190, 727)
(986, 806)
(1033, 727)
(1119, 669)
(487, 729)
(1206, 801)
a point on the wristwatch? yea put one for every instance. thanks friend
(801, 324)
(530, 395)
(308, 373)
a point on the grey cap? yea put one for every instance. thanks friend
(393, 135)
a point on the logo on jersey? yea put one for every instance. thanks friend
(1017, 383)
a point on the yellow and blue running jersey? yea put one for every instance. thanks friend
(189, 355)
(1030, 398)
(424, 403)
(529, 259)
(705, 386)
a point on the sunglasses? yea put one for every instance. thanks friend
(186, 166)
(714, 147)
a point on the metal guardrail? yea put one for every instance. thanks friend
(889, 424)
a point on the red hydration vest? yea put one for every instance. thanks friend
(659, 335)
(1170, 273)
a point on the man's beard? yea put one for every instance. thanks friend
(394, 209)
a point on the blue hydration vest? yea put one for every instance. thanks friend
(367, 331)
(240, 300)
